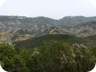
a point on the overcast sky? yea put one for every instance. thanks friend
(49, 8)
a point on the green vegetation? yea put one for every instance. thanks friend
(50, 53)
(11, 60)
(49, 39)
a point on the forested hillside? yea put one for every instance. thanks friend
(49, 53)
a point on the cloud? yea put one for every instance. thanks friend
(2, 2)
(93, 2)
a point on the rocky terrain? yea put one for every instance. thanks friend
(18, 28)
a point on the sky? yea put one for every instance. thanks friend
(49, 8)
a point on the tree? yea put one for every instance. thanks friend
(11, 61)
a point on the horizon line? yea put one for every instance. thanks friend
(47, 16)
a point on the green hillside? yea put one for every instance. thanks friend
(49, 39)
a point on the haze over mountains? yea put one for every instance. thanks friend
(18, 28)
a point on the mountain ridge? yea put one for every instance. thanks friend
(22, 28)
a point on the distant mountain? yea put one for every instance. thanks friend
(20, 28)
(85, 29)
(74, 20)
